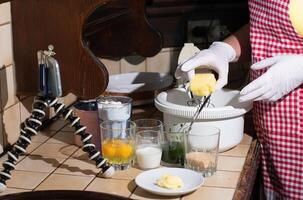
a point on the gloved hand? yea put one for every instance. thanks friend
(216, 58)
(285, 73)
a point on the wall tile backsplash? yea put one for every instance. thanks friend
(5, 15)
(6, 53)
(133, 64)
(8, 87)
(164, 62)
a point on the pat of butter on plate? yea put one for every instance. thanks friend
(169, 182)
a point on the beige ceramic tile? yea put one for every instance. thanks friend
(178, 49)
(13, 191)
(6, 49)
(229, 163)
(223, 179)
(5, 13)
(57, 125)
(26, 107)
(78, 168)
(8, 87)
(69, 99)
(43, 136)
(26, 180)
(163, 62)
(64, 182)
(210, 193)
(67, 128)
(55, 150)
(51, 112)
(141, 194)
(112, 66)
(240, 151)
(62, 138)
(32, 147)
(133, 64)
(39, 164)
(129, 174)
(246, 139)
(11, 124)
(112, 186)
(80, 155)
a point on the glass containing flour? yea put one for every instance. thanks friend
(114, 108)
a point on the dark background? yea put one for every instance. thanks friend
(197, 21)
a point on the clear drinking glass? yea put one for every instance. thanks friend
(118, 144)
(149, 124)
(201, 150)
(148, 149)
(173, 150)
(114, 108)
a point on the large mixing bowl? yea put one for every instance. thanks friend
(224, 111)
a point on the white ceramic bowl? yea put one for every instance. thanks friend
(225, 112)
(140, 86)
(138, 82)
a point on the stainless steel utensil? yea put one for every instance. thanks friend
(199, 110)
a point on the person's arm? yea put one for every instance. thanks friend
(240, 43)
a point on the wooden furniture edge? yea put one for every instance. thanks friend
(249, 173)
(4, 1)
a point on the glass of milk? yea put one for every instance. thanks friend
(148, 149)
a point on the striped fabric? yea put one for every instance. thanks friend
(279, 125)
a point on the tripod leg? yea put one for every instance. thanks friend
(88, 147)
(30, 127)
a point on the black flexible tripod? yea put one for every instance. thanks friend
(32, 125)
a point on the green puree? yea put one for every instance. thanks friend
(173, 153)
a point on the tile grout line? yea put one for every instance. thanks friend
(5, 23)
(50, 173)
(59, 164)
(90, 182)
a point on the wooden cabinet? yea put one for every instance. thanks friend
(78, 36)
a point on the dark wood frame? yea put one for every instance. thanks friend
(63, 23)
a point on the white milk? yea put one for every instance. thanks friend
(148, 157)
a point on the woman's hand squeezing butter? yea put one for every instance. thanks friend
(169, 182)
(203, 84)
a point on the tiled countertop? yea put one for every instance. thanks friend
(53, 163)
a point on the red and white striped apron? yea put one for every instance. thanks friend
(279, 125)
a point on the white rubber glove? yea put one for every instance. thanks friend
(285, 73)
(216, 58)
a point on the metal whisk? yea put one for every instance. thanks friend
(202, 104)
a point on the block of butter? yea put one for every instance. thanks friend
(296, 15)
(203, 84)
(170, 182)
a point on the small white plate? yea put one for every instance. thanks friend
(191, 181)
